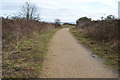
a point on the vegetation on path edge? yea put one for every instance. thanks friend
(27, 60)
(103, 50)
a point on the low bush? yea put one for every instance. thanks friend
(106, 31)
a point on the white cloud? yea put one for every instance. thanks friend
(70, 10)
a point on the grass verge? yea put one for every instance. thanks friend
(104, 50)
(26, 61)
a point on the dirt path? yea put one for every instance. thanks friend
(66, 58)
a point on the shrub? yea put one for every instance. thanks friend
(16, 29)
(106, 30)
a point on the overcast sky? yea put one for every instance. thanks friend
(65, 10)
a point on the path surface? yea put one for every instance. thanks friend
(67, 58)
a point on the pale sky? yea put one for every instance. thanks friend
(65, 10)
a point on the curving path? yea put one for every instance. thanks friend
(67, 58)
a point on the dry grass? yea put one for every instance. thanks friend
(15, 30)
(24, 45)
(106, 31)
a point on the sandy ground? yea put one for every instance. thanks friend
(67, 58)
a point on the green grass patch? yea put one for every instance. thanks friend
(102, 49)
(26, 60)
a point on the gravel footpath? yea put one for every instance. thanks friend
(67, 58)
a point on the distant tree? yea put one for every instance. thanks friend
(110, 17)
(57, 22)
(83, 19)
(15, 17)
(102, 18)
(66, 24)
(29, 11)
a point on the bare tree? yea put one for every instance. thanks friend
(110, 17)
(57, 22)
(29, 11)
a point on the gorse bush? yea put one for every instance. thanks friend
(15, 30)
(105, 31)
